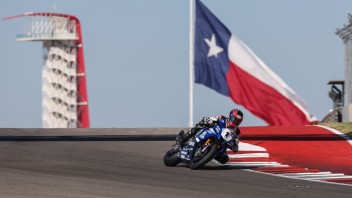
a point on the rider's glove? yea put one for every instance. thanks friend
(235, 145)
(234, 149)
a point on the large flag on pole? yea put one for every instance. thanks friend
(224, 63)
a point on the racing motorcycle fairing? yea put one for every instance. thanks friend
(207, 144)
(216, 134)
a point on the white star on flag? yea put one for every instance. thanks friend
(214, 50)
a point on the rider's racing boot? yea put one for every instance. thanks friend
(179, 138)
(189, 134)
(222, 158)
(186, 138)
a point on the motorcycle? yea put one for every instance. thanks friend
(207, 144)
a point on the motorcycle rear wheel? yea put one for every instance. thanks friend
(170, 158)
(199, 161)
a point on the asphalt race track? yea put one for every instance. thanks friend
(127, 163)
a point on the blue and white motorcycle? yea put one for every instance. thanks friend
(206, 145)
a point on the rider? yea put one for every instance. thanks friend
(231, 122)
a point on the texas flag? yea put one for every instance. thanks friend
(224, 63)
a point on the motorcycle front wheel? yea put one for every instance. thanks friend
(201, 156)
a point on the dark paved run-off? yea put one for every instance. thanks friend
(126, 163)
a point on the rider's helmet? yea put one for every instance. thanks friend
(235, 118)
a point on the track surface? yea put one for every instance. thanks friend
(126, 163)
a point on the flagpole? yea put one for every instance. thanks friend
(191, 60)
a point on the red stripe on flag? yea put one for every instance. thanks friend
(261, 99)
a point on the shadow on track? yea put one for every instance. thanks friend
(216, 167)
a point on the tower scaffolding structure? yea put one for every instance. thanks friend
(64, 88)
(345, 33)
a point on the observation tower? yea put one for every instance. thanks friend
(64, 88)
(345, 33)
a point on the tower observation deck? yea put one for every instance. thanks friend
(64, 89)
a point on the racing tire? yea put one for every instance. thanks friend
(170, 158)
(205, 158)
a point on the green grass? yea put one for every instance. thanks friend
(344, 127)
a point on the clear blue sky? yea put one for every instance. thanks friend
(136, 55)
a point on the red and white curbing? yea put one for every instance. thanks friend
(257, 159)
(342, 135)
